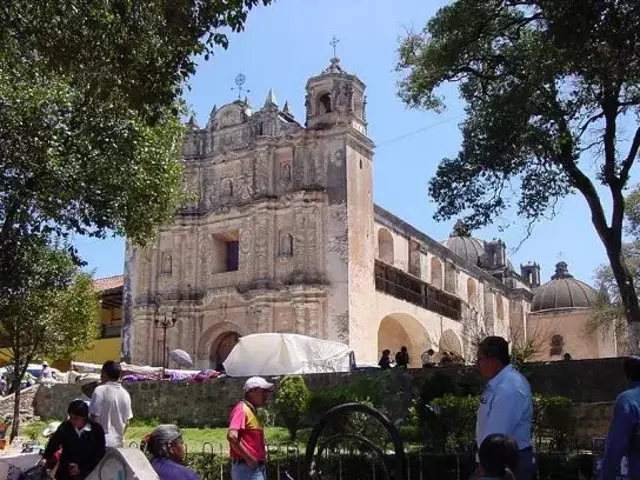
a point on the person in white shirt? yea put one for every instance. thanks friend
(506, 404)
(111, 405)
(47, 373)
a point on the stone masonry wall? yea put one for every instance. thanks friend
(592, 384)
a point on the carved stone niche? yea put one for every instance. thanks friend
(166, 267)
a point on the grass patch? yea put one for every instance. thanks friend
(195, 438)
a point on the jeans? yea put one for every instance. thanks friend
(241, 471)
(527, 465)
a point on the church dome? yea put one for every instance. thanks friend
(464, 245)
(563, 291)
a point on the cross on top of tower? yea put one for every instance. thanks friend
(334, 43)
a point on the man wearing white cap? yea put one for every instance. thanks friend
(245, 435)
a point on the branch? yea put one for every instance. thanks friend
(589, 122)
(628, 162)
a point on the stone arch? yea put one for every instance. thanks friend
(436, 273)
(450, 342)
(401, 329)
(325, 104)
(385, 246)
(208, 338)
(472, 292)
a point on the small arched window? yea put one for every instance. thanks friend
(324, 103)
(557, 345)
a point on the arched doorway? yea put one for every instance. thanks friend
(403, 330)
(450, 344)
(221, 348)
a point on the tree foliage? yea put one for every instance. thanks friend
(90, 106)
(549, 85)
(292, 402)
(55, 315)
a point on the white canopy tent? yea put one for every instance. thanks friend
(285, 353)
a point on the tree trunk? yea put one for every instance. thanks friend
(628, 297)
(15, 424)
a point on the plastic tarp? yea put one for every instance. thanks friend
(284, 353)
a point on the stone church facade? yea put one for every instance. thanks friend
(282, 235)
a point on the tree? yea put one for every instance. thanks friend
(609, 314)
(549, 85)
(476, 325)
(292, 402)
(55, 315)
(90, 109)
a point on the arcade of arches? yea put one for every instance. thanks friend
(401, 329)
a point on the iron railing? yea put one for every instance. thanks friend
(212, 463)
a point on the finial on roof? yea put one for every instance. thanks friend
(562, 271)
(286, 109)
(192, 122)
(460, 229)
(271, 99)
(334, 67)
(211, 115)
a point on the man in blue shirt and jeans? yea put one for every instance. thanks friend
(506, 404)
(624, 432)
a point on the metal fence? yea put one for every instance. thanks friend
(212, 462)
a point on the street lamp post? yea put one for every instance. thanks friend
(164, 322)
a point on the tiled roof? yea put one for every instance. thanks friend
(108, 283)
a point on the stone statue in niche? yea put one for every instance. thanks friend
(286, 245)
(285, 172)
(227, 188)
(167, 263)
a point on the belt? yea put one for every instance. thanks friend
(240, 461)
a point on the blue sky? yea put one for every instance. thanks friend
(288, 42)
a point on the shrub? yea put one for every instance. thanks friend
(448, 423)
(369, 388)
(554, 423)
(292, 402)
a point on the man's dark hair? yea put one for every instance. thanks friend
(496, 347)
(112, 370)
(632, 368)
(386, 351)
(79, 408)
(430, 351)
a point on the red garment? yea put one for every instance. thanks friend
(243, 418)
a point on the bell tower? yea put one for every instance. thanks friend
(336, 98)
(336, 132)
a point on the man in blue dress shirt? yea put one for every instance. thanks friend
(624, 432)
(506, 404)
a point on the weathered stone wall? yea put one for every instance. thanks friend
(27, 398)
(594, 382)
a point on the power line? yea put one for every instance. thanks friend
(415, 132)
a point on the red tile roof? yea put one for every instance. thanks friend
(108, 283)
